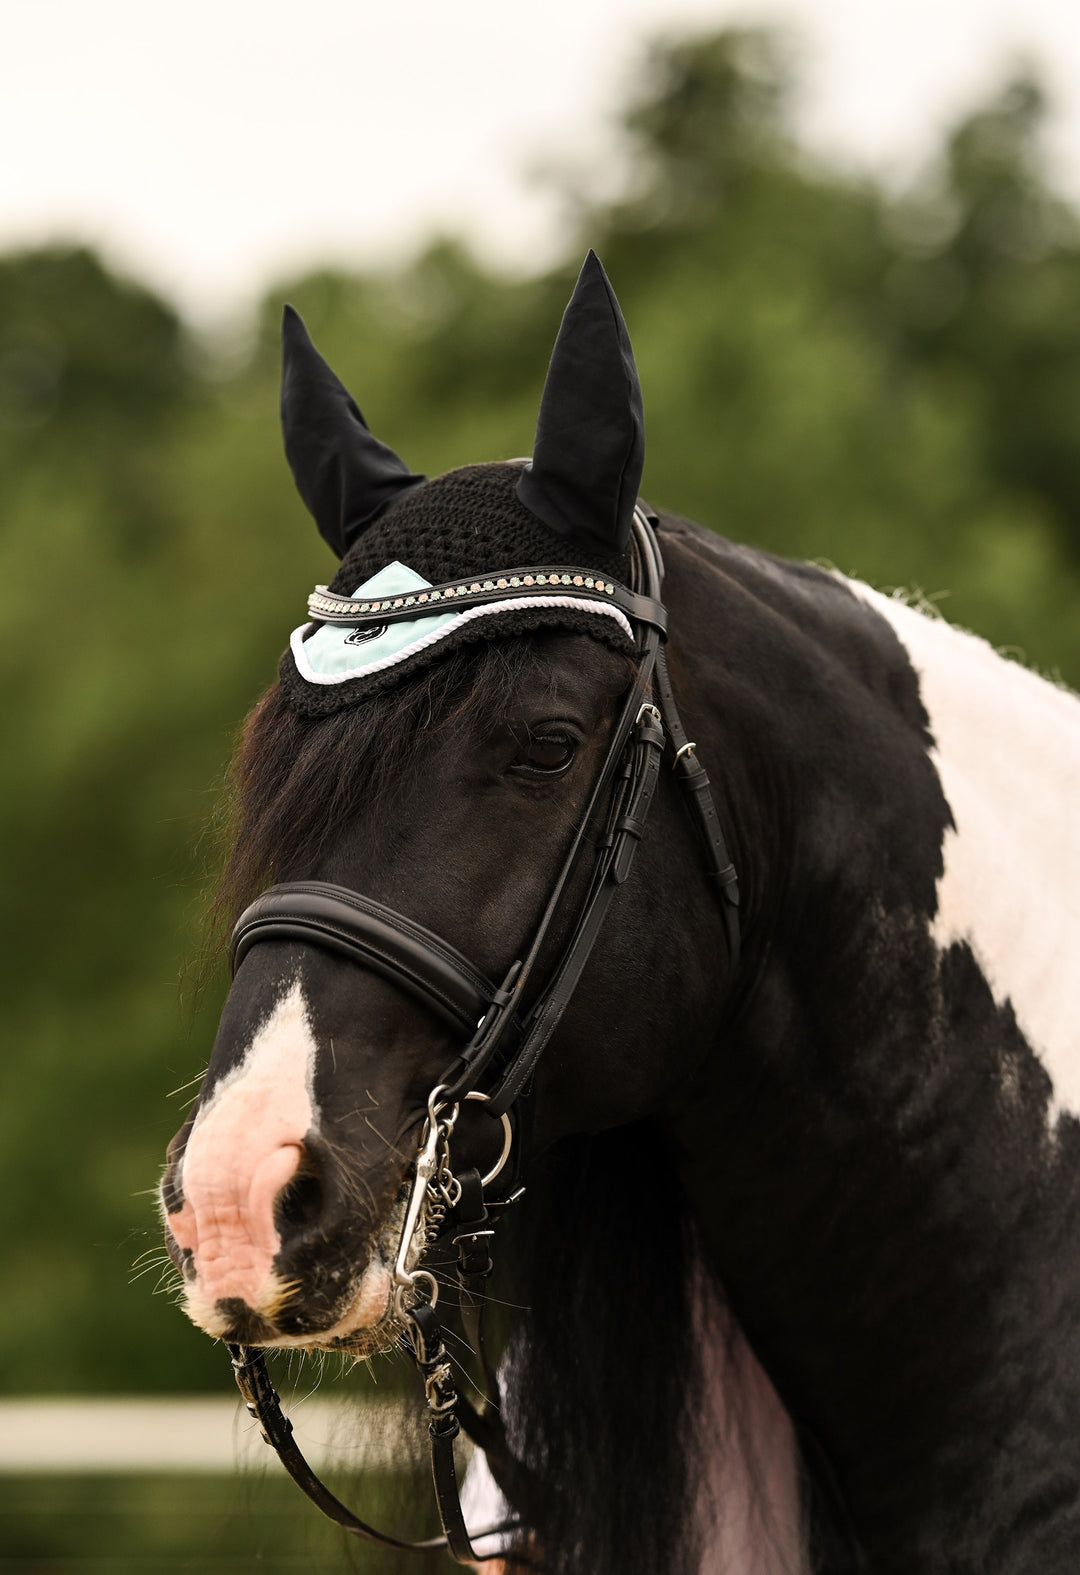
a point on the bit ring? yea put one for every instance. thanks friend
(508, 1139)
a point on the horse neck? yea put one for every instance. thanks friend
(1007, 753)
(881, 1185)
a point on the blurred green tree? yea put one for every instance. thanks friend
(984, 291)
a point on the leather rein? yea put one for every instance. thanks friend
(504, 1040)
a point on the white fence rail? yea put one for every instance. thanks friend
(43, 1435)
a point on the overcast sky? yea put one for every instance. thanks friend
(214, 145)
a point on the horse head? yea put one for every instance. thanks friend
(443, 766)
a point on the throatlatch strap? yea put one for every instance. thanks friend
(694, 780)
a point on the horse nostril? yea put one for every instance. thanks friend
(299, 1204)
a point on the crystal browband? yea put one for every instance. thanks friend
(326, 606)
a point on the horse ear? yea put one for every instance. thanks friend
(590, 437)
(346, 476)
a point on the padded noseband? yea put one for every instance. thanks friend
(357, 927)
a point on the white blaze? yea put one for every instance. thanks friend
(244, 1147)
(1007, 752)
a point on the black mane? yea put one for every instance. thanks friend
(606, 1365)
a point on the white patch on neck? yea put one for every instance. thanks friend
(1007, 752)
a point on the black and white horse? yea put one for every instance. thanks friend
(799, 1254)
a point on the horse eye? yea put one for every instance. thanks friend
(547, 754)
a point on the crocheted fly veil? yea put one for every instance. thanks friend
(479, 552)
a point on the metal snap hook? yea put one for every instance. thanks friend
(411, 1285)
(432, 1284)
(435, 1107)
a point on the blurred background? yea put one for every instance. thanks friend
(846, 241)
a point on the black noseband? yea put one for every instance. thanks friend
(342, 921)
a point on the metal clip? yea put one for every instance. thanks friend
(423, 1178)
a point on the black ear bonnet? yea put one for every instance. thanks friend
(571, 505)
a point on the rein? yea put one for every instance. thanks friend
(506, 1040)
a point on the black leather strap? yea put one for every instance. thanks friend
(260, 1396)
(694, 780)
(444, 1427)
(458, 595)
(613, 864)
(363, 930)
(443, 1431)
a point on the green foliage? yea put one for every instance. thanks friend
(890, 385)
(174, 1525)
(82, 349)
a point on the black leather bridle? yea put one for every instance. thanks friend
(504, 1038)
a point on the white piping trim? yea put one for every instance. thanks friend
(514, 604)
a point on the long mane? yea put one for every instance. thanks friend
(607, 1368)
